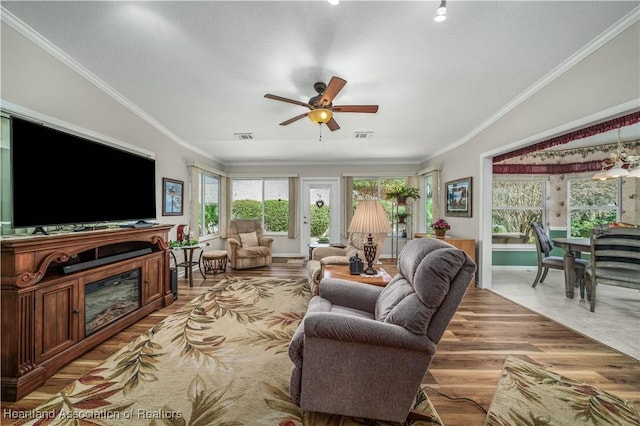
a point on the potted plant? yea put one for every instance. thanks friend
(400, 192)
(402, 215)
(441, 227)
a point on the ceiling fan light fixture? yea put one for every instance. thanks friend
(320, 115)
(634, 172)
(334, 2)
(600, 176)
(614, 168)
(616, 171)
(441, 13)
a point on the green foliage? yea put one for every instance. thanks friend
(365, 188)
(246, 209)
(211, 218)
(583, 221)
(276, 215)
(183, 243)
(398, 189)
(319, 220)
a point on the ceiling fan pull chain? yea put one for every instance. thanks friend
(320, 126)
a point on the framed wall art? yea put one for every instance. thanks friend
(172, 195)
(458, 193)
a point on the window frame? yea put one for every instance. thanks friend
(544, 208)
(202, 175)
(262, 201)
(570, 208)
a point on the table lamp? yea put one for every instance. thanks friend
(370, 218)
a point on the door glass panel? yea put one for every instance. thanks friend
(320, 209)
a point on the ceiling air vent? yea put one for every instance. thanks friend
(243, 136)
(363, 135)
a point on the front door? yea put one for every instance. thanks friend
(320, 210)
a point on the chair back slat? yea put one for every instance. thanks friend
(617, 248)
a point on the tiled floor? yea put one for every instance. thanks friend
(615, 322)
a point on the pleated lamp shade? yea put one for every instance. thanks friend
(370, 218)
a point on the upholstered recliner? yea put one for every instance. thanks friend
(339, 256)
(247, 246)
(363, 350)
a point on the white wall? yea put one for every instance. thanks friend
(33, 80)
(603, 85)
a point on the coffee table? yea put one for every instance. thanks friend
(342, 272)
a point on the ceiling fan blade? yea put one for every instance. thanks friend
(335, 85)
(356, 108)
(332, 125)
(291, 120)
(291, 101)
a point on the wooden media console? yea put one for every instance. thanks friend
(49, 316)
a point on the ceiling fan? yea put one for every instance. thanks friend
(321, 106)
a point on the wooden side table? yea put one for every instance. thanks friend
(215, 261)
(189, 263)
(342, 272)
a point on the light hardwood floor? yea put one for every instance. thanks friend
(486, 328)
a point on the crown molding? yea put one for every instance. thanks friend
(36, 38)
(595, 44)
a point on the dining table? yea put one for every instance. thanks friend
(573, 247)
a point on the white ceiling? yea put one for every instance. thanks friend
(199, 70)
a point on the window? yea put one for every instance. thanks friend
(592, 202)
(428, 200)
(517, 204)
(371, 187)
(208, 203)
(264, 199)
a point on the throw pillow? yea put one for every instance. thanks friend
(249, 239)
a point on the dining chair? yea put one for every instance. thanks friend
(546, 261)
(615, 259)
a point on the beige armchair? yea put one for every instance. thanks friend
(363, 350)
(322, 256)
(247, 245)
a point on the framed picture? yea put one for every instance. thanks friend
(458, 194)
(172, 195)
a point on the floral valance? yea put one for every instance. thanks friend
(546, 169)
(612, 124)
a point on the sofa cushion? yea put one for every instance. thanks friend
(391, 296)
(412, 305)
(411, 314)
(249, 239)
(255, 251)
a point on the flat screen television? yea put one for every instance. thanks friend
(62, 179)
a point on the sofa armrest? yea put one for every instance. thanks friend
(233, 243)
(320, 252)
(265, 241)
(358, 330)
(334, 260)
(351, 294)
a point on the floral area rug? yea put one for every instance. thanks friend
(527, 394)
(220, 360)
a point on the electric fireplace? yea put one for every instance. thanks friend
(109, 299)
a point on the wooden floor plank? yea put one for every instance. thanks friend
(486, 329)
